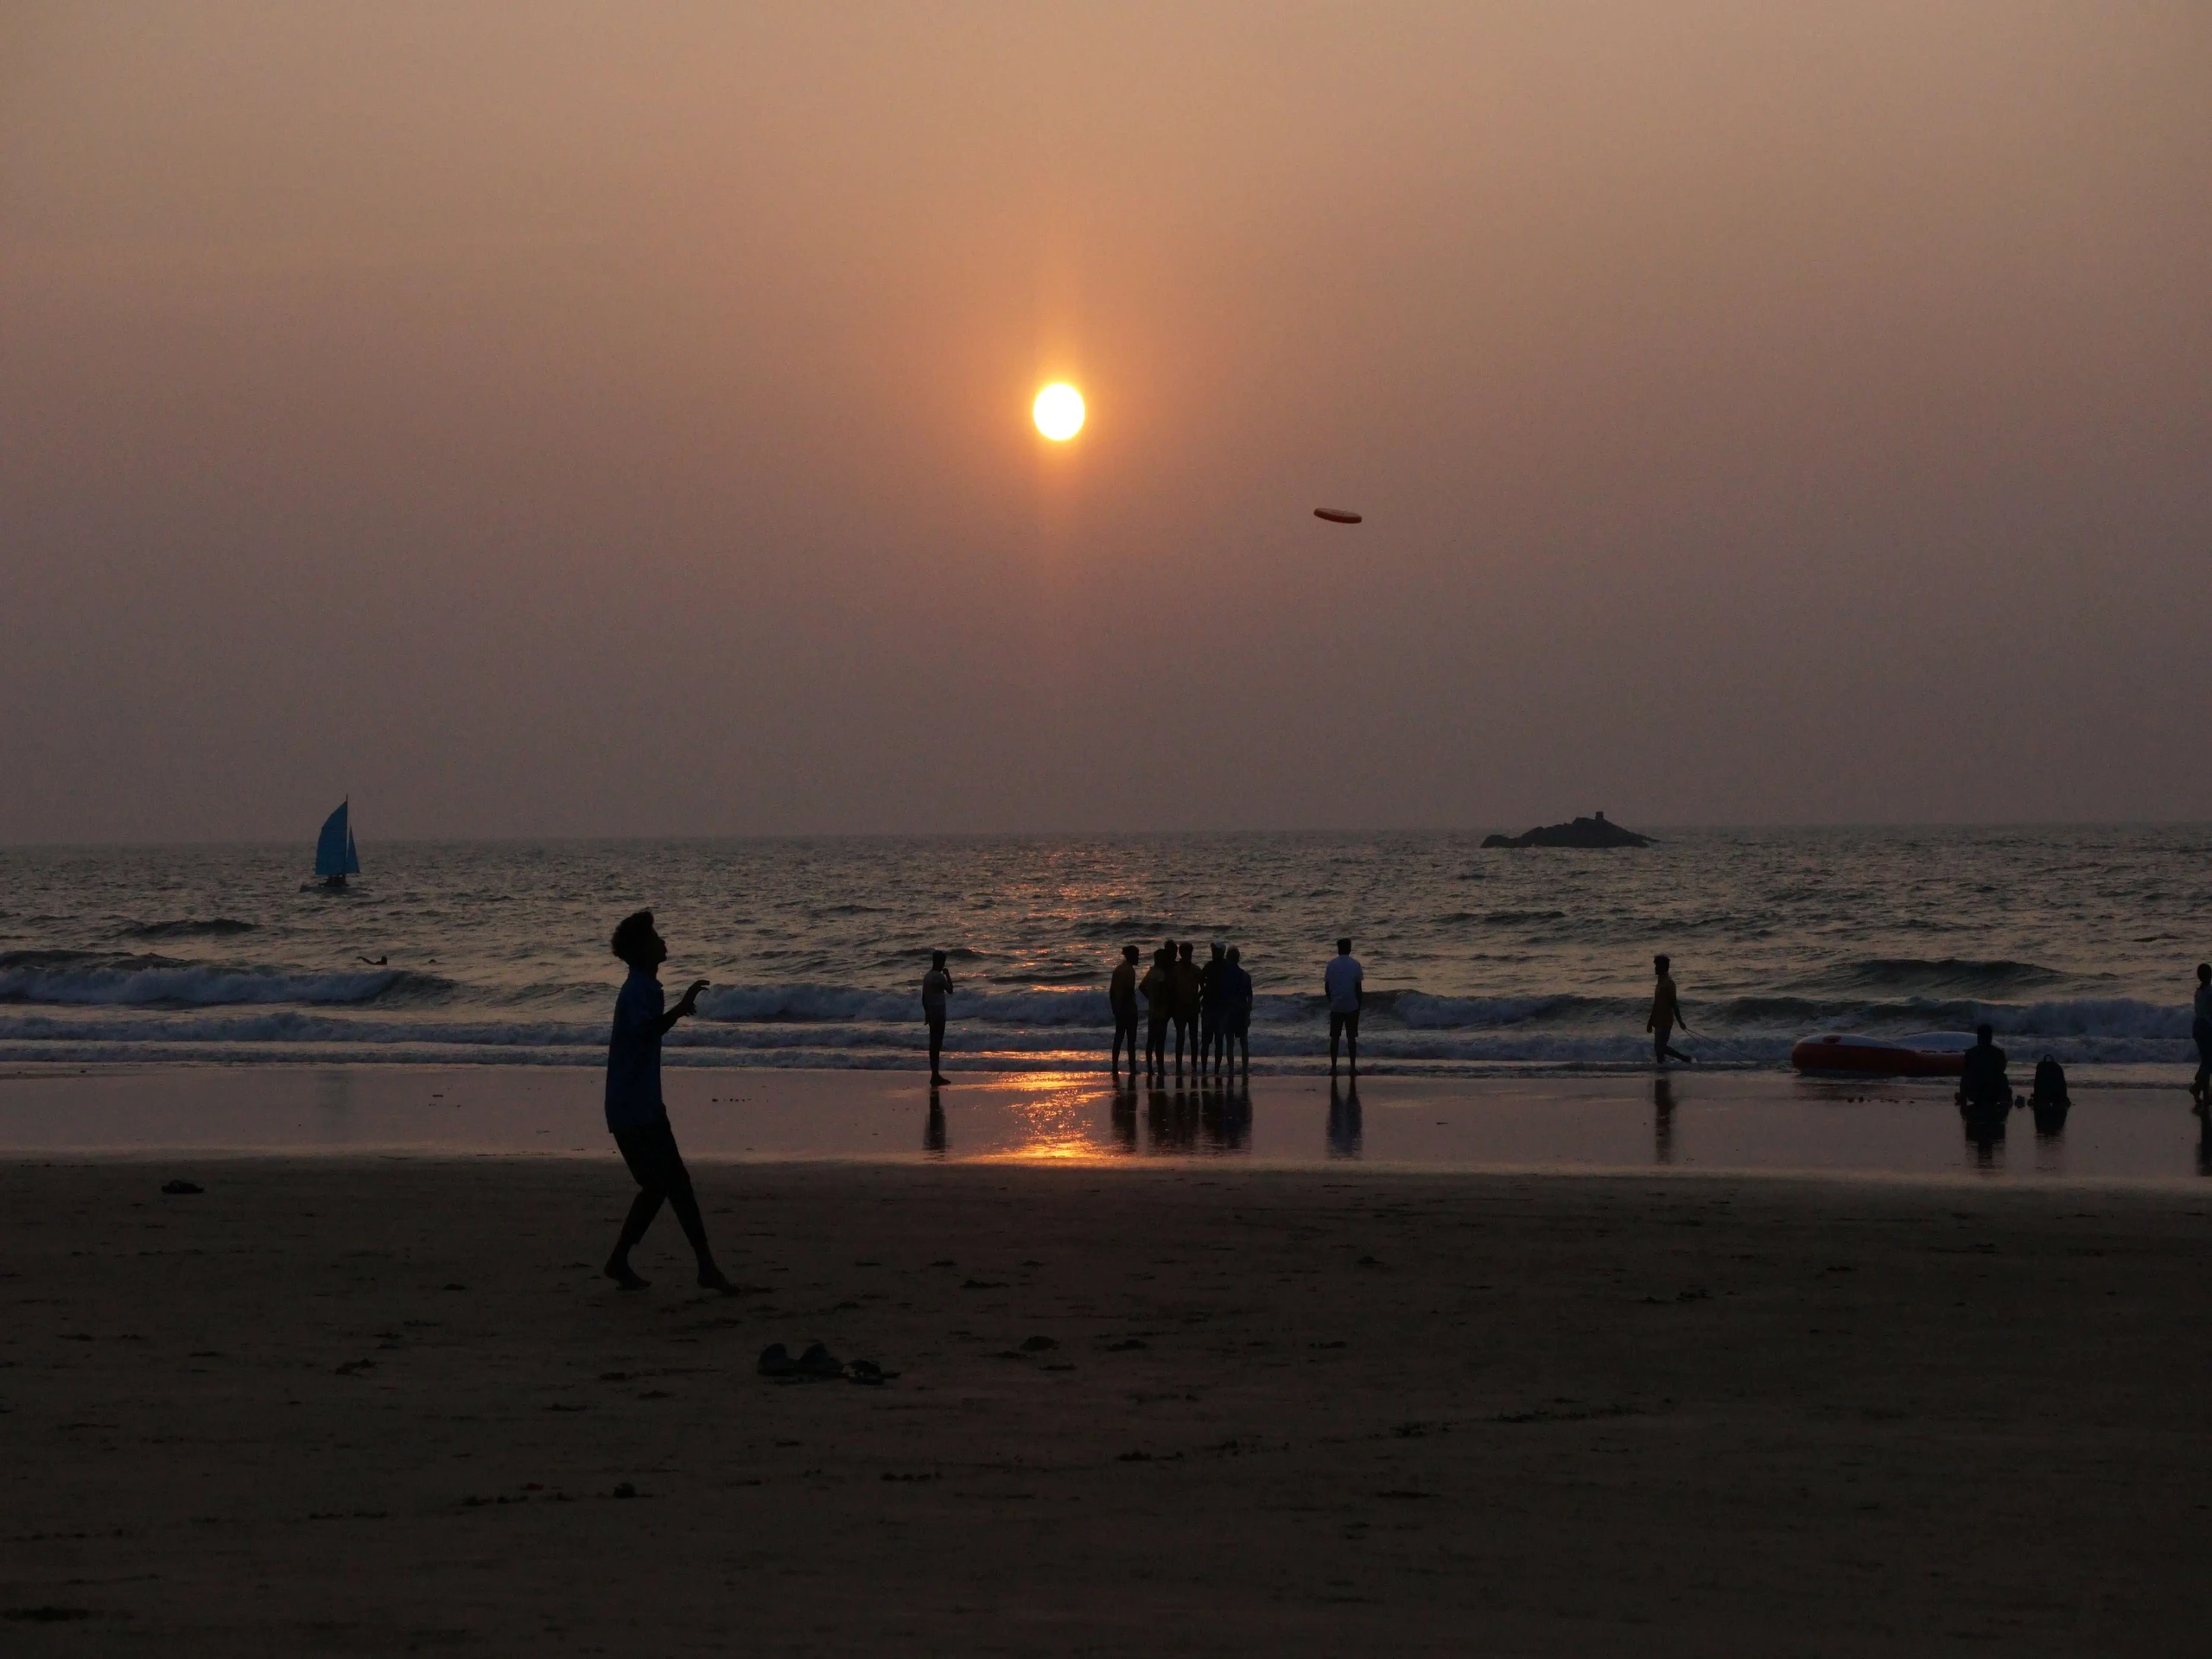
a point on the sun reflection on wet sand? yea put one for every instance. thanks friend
(1057, 1121)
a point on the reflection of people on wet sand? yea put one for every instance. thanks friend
(1666, 1014)
(936, 985)
(933, 1135)
(1158, 989)
(1345, 1126)
(1344, 982)
(1227, 1119)
(636, 1116)
(1662, 1120)
(1121, 995)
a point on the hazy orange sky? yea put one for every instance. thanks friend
(536, 419)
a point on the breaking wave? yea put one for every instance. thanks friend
(76, 978)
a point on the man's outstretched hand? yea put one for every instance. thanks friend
(690, 1003)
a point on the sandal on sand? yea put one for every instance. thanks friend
(776, 1361)
(818, 1362)
(866, 1372)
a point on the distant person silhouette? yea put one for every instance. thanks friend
(1209, 1006)
(2201, 1028)
(1122, 996)
(1666, 1014)
(636, 1116)
(1345, 982)
(936, 987)
(1158, 989)
(1983, 1089)
(1184, 1000)
(1235, 1014)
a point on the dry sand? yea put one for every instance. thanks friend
(382, 1406)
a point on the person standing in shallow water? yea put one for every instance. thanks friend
(2201, 1028)
(1159, 988)
(936, 987)
(636, 1116)
(1236, 1015)
(1184, 982)
(1666, 1014)
(1345, 981)
(1210, 984)
(1121, 995)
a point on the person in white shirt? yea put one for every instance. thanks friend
(936, 985)
(1343, 981)
(2201, 1028)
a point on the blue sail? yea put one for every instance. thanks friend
(334, 848)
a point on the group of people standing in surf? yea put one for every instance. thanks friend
(1206, 1007)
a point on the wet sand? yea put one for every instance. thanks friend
(355, 1405)
(2130, 1124)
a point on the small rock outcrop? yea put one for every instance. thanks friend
(1583, 832)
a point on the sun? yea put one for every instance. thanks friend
(1058, 411)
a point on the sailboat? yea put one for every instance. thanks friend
(334, 857)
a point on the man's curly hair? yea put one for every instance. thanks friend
(630, 937)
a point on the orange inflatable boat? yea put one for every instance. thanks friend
(1929, 1054)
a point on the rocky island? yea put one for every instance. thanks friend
(1583, 832)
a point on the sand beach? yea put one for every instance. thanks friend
(380, 1404)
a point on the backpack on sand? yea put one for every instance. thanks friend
(2050, 1082)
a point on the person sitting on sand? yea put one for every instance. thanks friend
(636, 1116)
(1158, 989)
(2201, 1028)
(936, 985)
(1236, 1014)
(1122, 996)
(1344, 982)
(1666, 1014)
(1184, 998)
(1983, 1086)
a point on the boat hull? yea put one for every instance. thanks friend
(1870, 1057)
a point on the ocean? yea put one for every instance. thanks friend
(2078, 942)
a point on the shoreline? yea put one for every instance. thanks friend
(1681, 1120)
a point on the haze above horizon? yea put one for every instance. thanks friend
(567, 421)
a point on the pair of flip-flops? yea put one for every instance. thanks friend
(818, 1365)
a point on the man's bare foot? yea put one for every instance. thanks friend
(713, 1279)
(938, 1080)
(625, 1275)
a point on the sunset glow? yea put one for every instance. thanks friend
(1058, 411)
